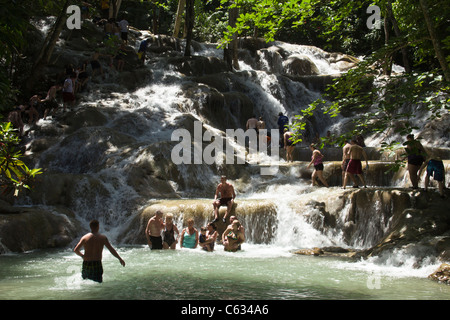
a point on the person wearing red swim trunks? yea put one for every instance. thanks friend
(354, 165)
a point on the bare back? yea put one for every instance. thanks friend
(93, 246)
(345, 151)
(252, 123)
(356, 152)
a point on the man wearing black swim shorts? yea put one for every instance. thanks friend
(153, 231)
(227, 195)
(93, 244)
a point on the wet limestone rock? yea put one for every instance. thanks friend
(300, 65)
(257, 216)
(310, 252)
(28, 228)
(442, 274)
(197, 65)
(339, 252)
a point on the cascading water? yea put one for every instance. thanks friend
(137, 121)
(125, 168)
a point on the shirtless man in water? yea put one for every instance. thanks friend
(153, 231)
(93, 244)
(354, 165)
(227, 196)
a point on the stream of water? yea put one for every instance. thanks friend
(258, 272)
(268, 271)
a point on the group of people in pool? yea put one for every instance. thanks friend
(161, 233)
(164, 234)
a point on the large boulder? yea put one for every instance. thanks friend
(300, 65)
(343, 62)
(422, 230)
(198, 65)
(28, 228)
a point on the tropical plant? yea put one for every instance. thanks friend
(14, 174)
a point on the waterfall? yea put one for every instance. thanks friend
(110, 159)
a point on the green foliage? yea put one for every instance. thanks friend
(211, 21)
(15, 17)
(112, 45)
(267, 16)
(380, 101)
(411, 21)
(387, 105)
(13, 26)
(298, 125)
(14, 174)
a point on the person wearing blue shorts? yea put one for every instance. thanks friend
(435, 169)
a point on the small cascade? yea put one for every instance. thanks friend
(304, 217)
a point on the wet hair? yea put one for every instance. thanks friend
(94, 224)
(169, 215)
(236, 222)
(212, 225)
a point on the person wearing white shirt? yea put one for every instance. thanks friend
(124, 27)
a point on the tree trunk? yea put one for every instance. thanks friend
(116, 7)
(398, 33)
(176, 29)
(47, 49)
(387, 69)
(155, 19)
(189, 19)
(231, 55)
(434, 39)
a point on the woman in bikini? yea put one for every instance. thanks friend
(289, 145)
(316, 159)
(233, 238)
